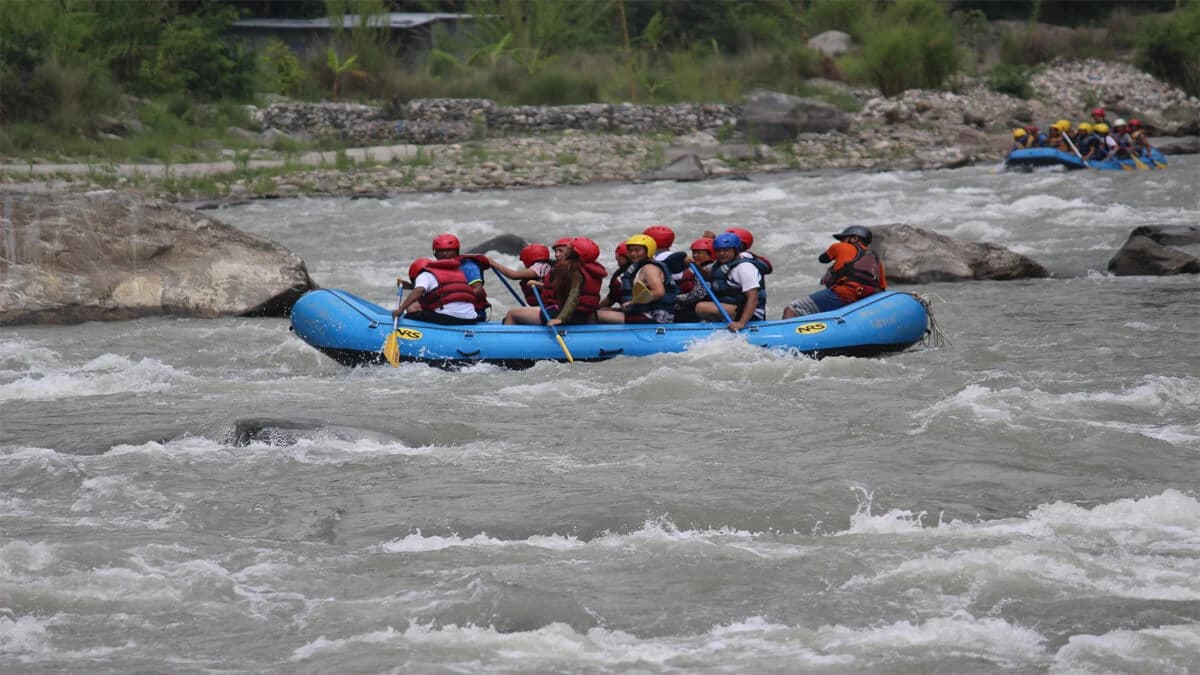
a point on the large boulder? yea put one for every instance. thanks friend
(509, 244)
(1159, 250)
(685, 168)
(914, 255)
(1177, 145)
(831, 42)
(111, 256)
(771, 117)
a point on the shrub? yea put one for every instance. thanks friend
(1169, 47)
(1010, 79)
(910, 45)
(555, 86)
(193, 57)
(280, 71)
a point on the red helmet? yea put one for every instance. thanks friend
(1135, 123)
(446, 241)
(662, 235)
(704, 244)
(743, 234)
(417, 267)
(565, 241)
(587, 249)
(622, 249)
(1098, 112)
(1031, 130)
(534, 253)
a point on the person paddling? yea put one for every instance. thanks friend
(738, 283)
(446, 247)
(647, 289)
(856, 273)
(441, 291)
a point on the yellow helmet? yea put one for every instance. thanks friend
(1100, 128)
(1084, 126)
(1019, 133)
(1062, 125)
(643, 240)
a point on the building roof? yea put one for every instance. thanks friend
(390, 20)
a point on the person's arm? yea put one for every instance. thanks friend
(511, 273)
(654, 281)
(413, 296)
(747, 311)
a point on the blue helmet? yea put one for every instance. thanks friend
(727, 240)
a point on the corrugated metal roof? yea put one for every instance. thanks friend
(391, 20)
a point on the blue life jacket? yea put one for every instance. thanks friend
(731, 293)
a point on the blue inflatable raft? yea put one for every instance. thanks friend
(352, 331)
(1029, 158)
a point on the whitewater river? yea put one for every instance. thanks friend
(1024, 499)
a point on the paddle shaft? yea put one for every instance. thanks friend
(708, 289)
(509, 287)
(1077, 154)
(537, 294)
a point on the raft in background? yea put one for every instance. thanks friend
(1028, 158)
(351, 331)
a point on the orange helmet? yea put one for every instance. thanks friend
(662, 235)
(534, 253)
(443, 242)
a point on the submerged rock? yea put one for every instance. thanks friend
(1159, 250)
(110, 256)
(508, 244)
(915, 255)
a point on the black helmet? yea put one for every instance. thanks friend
(854, 231)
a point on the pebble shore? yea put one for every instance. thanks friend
(917, 130)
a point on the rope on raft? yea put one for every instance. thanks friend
(934, 337)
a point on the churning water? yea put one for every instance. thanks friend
(1025, 499)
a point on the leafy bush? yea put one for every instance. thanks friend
(845, 15)
(1169, 47)
(1010, 79)
(910, 45)
(280, 70)
(193, 57)
(555, 86)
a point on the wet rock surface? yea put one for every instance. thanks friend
(916, 255)
(66, 260)
(1159, 250)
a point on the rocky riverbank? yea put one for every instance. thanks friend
(493, 148)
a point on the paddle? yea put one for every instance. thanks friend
(708, 289)
(1140, 163)
(509, 286)
(391, 346)
(537, 293)
(1077, 154)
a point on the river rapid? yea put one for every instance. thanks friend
(1023, 499)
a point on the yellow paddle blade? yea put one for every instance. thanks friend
(391, 349)
(641, 293)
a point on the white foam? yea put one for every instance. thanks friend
(104, 375)
(1165, 649)
(20, 634)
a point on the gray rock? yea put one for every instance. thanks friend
(509, 244)
(1177, 145)
(771, 117)
(685, 168)
(1158, 250)
(915, 255)
(831, 42)
(112, 256)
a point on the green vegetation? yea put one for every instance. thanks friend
(170, 75)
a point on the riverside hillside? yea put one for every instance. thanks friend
(915, 130)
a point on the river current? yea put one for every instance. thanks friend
(1025, 498)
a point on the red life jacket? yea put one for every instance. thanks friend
(614, 284)
(480, 302)
(687, 282)
(547, 289)
(452, 285)
(593, 281)
(858, 278)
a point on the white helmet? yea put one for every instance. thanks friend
(1119, 122)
